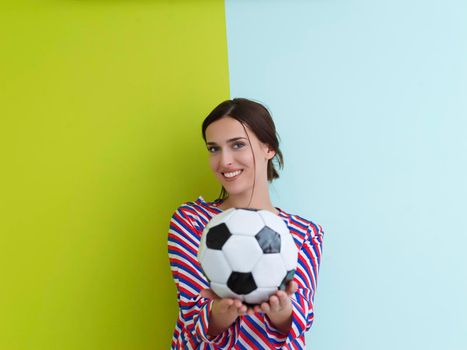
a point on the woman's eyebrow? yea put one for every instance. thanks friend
(228, 141)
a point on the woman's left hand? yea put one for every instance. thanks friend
(278, 308)
(277, 303)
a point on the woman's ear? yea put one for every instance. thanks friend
(270, 153)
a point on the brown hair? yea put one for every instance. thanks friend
(258, 119)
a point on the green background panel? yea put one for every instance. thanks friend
(100, 113)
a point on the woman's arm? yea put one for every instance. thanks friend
(195, 310)
(289, 315)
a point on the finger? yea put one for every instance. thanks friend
(257, 308)
(291, 288)
(265, 307)
(208, 293)
(294, 286)
(281, 294)
(232, 309)
(237, 303)
(242, 310)
(274, 303)
(284, 299)
(237, 307)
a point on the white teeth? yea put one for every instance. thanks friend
(232, 174)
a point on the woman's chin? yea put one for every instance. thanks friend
(236, 190)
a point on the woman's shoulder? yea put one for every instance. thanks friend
(199, 209)
(301, 224)
(200, 202)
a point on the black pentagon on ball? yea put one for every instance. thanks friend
(217, 236)
(288, 277)
(241, 283)
(269, 240)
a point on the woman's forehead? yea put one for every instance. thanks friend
(225, 129)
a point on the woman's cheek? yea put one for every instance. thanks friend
(247, 158)
(213, 164)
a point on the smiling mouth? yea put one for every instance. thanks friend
(232, 175)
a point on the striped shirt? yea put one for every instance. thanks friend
(248, 331)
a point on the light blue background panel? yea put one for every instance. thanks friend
(370, 100)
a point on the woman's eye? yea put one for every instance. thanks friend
(238, 145)
(212, 149)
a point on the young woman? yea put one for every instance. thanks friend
(243, 148)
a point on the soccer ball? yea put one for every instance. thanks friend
(247, 254)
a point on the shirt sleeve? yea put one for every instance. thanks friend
(183, 243)
(306, 274)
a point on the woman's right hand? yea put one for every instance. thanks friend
(224, 312)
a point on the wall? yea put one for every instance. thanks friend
(101, 105)
(369, 100)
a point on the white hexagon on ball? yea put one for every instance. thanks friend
(269, 271)
(242, 252)
(289, 252)
(215, 265)
(244, 222)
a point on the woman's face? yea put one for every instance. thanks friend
(231, 158)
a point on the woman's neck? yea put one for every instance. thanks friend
(262, 201)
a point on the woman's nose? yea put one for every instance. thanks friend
(226, 158)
